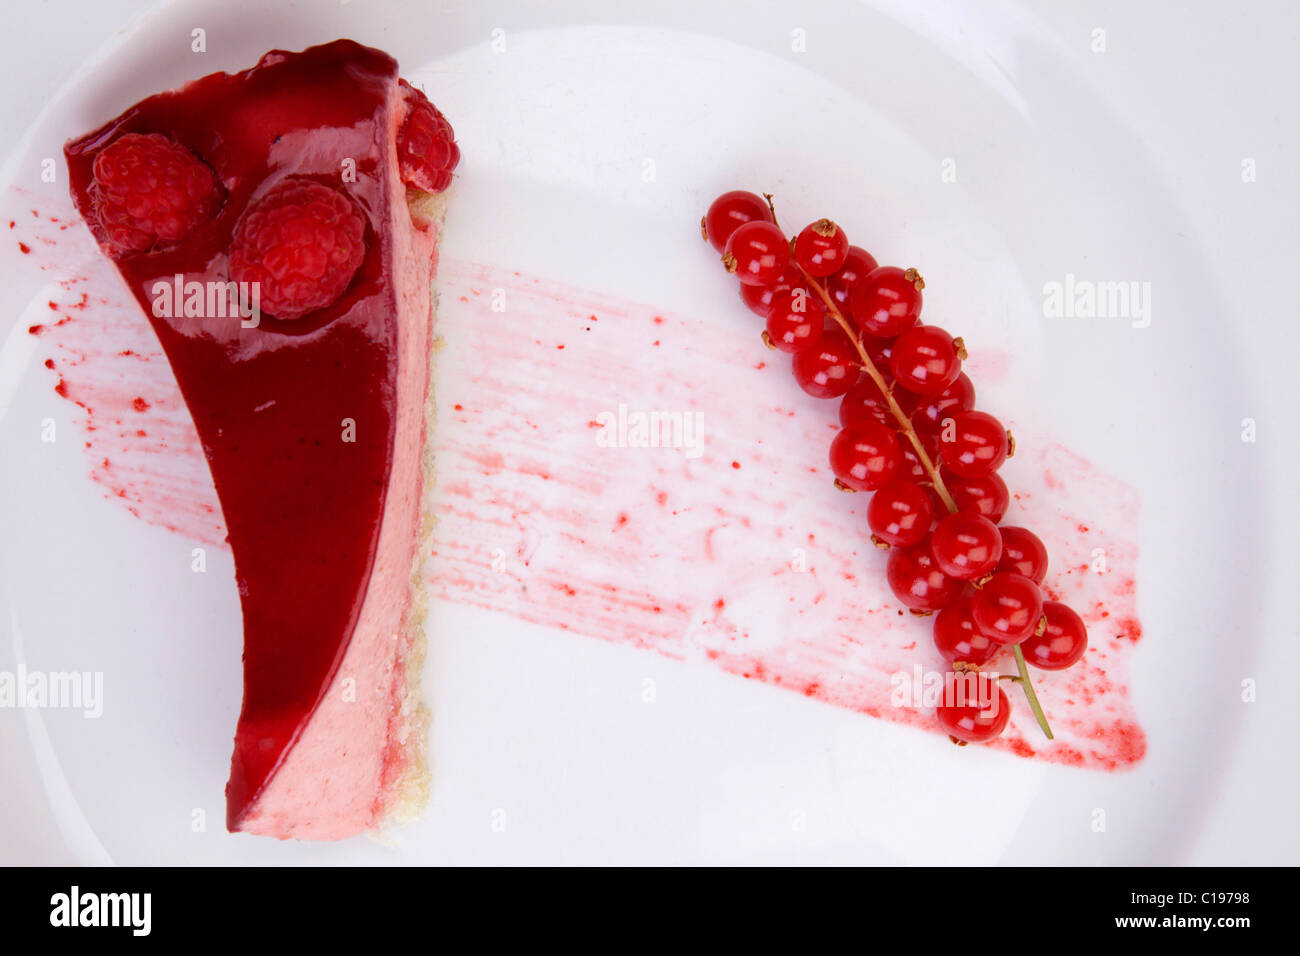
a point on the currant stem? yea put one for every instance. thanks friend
(905, 426)
(868, 366)
(1028, 686)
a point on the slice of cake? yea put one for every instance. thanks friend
(279, 227)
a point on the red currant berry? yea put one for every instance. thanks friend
(887, 300)
(1061, 644)
(795, 322)
(864, 402)
(857, 263)
(821, 248)
(975, 708)
(1023, 553)
(879, 350)
(916, 579)
(925, 360)
(974, 444)
(757, 252)
(830, 369)
(929, 442)
(957, 637)
(957, 397)
(966, 546)
(900, 513)
(1007, 607)
(911, 468)
(987, 496)
(730, 211)
(866, 456)
(759, 298)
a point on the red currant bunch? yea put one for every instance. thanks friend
(911, 437)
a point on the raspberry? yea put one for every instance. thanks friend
(302, 243)
(426, 146)
(150, 190)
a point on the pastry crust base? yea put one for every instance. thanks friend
(409, 795)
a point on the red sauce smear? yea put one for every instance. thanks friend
(763, 571)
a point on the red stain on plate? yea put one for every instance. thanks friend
(674, 498)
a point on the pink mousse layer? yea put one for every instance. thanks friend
(359, 751)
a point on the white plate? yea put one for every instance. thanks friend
(556, 130)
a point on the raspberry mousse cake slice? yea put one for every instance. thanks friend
(279, 228)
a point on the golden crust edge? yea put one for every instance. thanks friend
(409, 794)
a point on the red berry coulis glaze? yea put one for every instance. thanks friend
(271, 403)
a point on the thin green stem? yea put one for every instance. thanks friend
(1030, 696)
(868, 366)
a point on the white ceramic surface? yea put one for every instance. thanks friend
(1056, 174)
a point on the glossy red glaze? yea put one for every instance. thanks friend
(270, 403)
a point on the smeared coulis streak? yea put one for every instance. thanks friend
(139, 440)
(736, 552)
